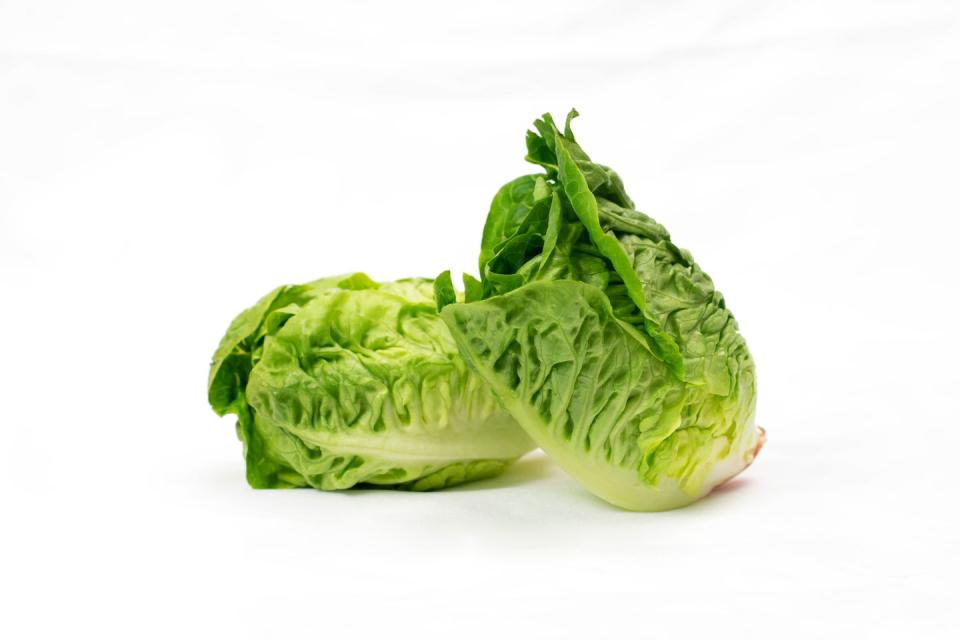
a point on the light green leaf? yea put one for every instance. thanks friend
(589, 389)
(345, 381)
(443, 290)
(665, 336)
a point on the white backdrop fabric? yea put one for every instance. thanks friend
(164, 164)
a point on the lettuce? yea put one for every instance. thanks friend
(606, 341)
(589, 333)
(344, 381)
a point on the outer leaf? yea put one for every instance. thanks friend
(508, 208)
(585, 205)
(590, 390)
(346, 381)
(443, 290)
(578, 224)
(238, 352)
(472, 288)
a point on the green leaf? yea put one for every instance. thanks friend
(345, 381)
(591, 392)
(473, 288)
(584, 203)
(509, 207)
(667, 336)
(443, 290)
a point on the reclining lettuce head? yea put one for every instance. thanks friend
(606, 341)
(344, 381)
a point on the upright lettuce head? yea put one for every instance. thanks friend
(606, 341)
(344, 381)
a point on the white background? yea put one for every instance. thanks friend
(164, 164)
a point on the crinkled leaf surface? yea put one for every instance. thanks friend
(345, 381)
(570, 242)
